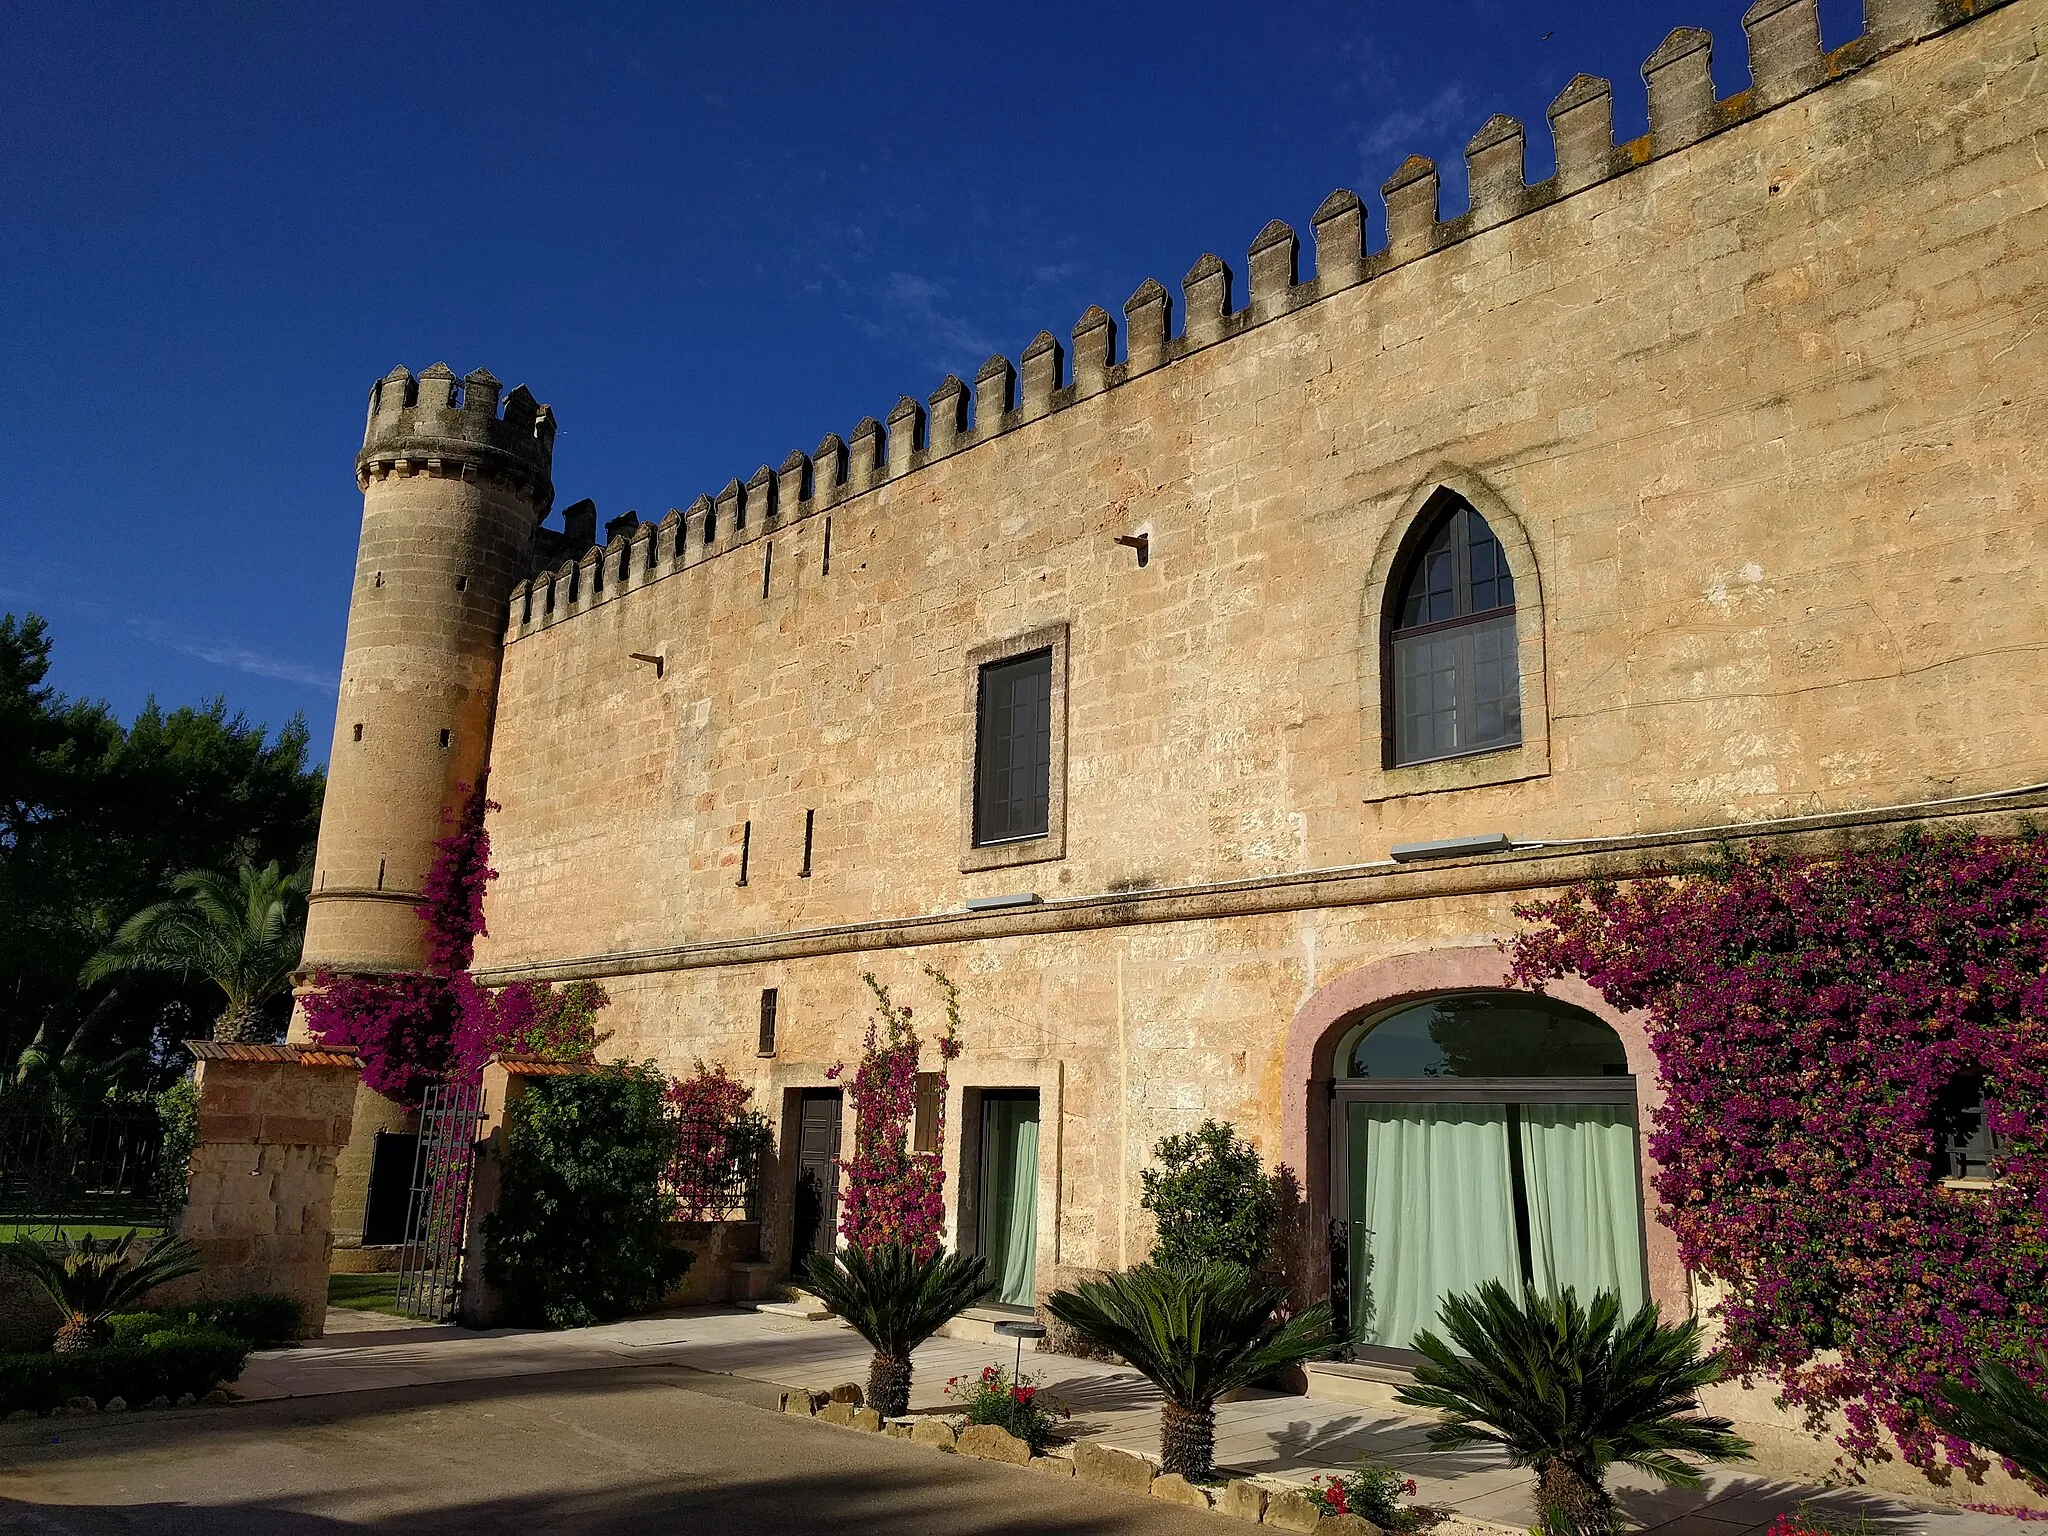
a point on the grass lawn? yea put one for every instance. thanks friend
(364, 1293)
(44, 1232)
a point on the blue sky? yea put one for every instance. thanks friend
(706, 234)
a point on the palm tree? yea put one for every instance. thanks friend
(1569, 1390)
(1195, 1331)
(96, 1278)
(2005, 1414)
(896, 1300)
(242, 933)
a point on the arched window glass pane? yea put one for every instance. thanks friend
(1452, 656)
(1483, 1034)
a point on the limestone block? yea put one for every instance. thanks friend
(1175, 1489)
(897, 1429)
(1057, 1466)
(801, 1400)
(991, 1442)
(1292, 1510)
(1346, 1525)
(932, 1432)
(867, 1419)
(848, 1392)
(1119, 1469)
(1243, 1498)
(838, 1413)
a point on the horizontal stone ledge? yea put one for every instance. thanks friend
(1529, 867)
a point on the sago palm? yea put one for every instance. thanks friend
(94, 1278)
(242, 932)
(1570, 1389)
(2004, 1414)
(1195, 1331)
(896, 1300)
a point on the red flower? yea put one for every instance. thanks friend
(988, 1373)
(1023, 1394)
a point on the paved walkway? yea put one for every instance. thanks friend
(1283, 1437)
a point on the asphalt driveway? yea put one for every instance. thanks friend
(659, 1448)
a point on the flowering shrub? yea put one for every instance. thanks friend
(1019, 1406)
(412, 1028)
(721, 1142)
(895, 1195)
(1808, 1521)
(400, 1024)
(1809, 1018)
(1372, 1493)
(527, 1018)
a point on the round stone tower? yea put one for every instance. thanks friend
(453, 489)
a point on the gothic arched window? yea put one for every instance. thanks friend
(1455, 680)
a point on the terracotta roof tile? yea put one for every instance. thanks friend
(296, 1055)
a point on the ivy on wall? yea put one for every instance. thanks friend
(1812, 1017)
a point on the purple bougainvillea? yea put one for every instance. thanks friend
(1808, 1015)
(413, 1028)
(894, 1194)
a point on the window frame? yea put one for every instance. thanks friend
(1446, 510)
(1386, 780)
(1052, 843)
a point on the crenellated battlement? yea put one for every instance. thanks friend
(1786, 62)
(439, 424)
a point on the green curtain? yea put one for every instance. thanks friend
(1433, 1213)
(1009, 1197)
(1585, 1216)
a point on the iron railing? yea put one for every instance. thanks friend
(437, 1217)
(717, 1172)
(58, 1166)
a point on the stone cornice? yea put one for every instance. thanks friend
(1529, 867)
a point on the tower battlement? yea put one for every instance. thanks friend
(439, 424)
(1786, 62)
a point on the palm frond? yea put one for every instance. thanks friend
(1195, 1331)
(1548, 1378)
(894, 1299)
(94, 1278)
(2005, 1414)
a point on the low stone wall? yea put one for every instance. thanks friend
(259, 1200)
(28, 1318)
(717, 1246)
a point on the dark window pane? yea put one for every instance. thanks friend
(1484, 1034)
(1456, 687)
(1013, 749)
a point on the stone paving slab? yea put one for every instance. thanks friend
(1270, 1435)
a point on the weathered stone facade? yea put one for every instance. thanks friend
(1754, 406)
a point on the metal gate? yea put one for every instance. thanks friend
(437, 1215)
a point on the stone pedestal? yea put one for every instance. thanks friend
(260, 1196)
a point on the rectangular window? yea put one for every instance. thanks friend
(769, 1003)
(930, 1101)
(1013, 749)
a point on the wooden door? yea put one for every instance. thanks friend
(816, 1215)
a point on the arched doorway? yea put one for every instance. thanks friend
(1478, 1135)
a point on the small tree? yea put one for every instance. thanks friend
(242, 932)
(894, 1195)
(1569, 1390)
(1212, 1199)
(577, 1235)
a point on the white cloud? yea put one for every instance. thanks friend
(236, 658)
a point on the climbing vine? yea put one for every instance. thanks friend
(413, 1028)
(1814, 1019)
(892, 1193)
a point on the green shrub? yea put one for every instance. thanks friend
(260, 1321)
(168, 1363)
(577, 1236)
(177, 1108)
(1212, 1199)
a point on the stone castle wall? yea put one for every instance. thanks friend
(1754, 405)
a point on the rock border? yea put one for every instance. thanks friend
(1281, 1506)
